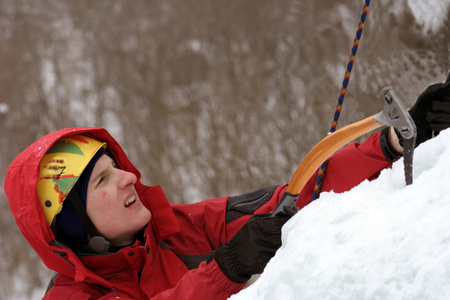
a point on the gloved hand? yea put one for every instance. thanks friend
(251, 248)
(431, 112)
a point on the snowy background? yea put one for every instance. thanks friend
(381, 240)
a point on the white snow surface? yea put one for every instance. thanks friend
(381, 240)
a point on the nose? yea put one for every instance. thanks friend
(126, 179)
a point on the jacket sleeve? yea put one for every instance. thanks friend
(349, 167)
(205, 283)
(208, 224)
(66, 289)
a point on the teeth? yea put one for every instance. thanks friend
(130, 201)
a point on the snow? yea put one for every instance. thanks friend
(4, 108)
(381, 240)
(432, 14)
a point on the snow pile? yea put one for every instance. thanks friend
(381, 240)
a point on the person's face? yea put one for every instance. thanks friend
(113, 204)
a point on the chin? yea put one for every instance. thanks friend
(144, 218)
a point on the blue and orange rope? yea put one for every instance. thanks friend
(337, 112)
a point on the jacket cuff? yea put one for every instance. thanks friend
(388, 150)
(213, 269)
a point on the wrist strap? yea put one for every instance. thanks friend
(399, 136)
(388, 150)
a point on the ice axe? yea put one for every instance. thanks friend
(393, 114)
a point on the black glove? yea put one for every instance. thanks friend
(431, 112)
(251, 248)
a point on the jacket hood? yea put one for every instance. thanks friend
(20, 188)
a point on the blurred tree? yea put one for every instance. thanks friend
(208, 98)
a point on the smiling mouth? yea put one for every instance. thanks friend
(130, 201)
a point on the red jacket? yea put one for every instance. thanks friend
(151, 268)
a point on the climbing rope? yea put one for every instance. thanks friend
(345, 82)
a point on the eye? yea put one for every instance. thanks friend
(105, 174)
(100, 180)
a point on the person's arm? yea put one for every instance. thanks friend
(347, 168)
(233, 262)
(205, 283)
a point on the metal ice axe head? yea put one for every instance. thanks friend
(395, 115)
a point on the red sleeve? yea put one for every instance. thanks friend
(205, 283)
(67, 289)
(349, 167)
(204, 226)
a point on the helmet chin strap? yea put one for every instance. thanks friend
(97, 243)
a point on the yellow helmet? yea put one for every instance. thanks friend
(60, 168)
